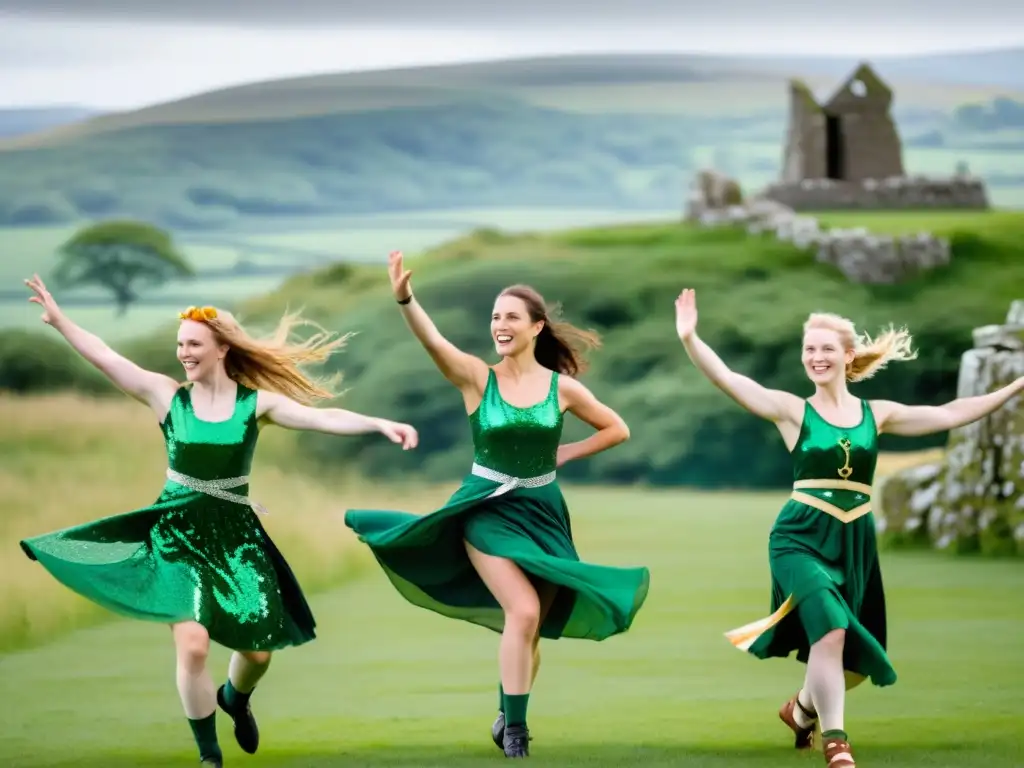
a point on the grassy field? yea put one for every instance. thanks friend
(389, 685)
(945, 223)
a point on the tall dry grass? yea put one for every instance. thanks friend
(67, 459)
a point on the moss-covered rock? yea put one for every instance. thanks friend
(903, 501)
(974, 501)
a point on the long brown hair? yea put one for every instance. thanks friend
(273, 363)
(869, 355)
(560, 345)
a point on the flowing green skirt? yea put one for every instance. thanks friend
(189, 557)
(825, 576)
(425, 558)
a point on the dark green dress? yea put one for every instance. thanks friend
(511, 506)
(199, 553)
(823, 553)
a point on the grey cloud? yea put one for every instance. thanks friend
(522, 13)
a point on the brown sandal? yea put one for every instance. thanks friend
(838, 753)
(804, 736)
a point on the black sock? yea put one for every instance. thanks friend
(205, 732)
(515, 713)
(235, 699)
(501, 698)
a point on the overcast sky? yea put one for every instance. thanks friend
(100, 53)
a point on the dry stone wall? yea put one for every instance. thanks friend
(861, 256)
(973, 500)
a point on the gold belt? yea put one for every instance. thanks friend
(843, 515)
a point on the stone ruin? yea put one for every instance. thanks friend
(843, 155)
(847, 154)
(973, 499)
(860, 256)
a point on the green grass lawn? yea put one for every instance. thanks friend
(390, 685)
(913, 222)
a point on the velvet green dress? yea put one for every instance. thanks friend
(823, 553)
(511, 506)
(199, 553)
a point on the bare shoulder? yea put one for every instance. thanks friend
(881, 410)
(162, 390)
(572, 392)
(567, 385)
(791, 407)
(265, 401)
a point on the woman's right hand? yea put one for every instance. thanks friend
(51, 312)
(686, 313)
(399, 276)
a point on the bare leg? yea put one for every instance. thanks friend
(244, 672)
(195, 686)
(521, 605)
(826, 684)
(246, 668)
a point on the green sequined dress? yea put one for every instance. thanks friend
(823, 553)
(199, 553)
(510, 506)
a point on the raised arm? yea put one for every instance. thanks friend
(914, 420)
(153, 389)
(580, 401)
(463, 370)
(274, 408)
(771, 404)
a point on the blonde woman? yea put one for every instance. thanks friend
(828, 603)
(198, 559)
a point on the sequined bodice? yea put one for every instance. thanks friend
(210, 450)
(522, 442)
(828, 452)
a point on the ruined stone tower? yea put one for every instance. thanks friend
(852, 137)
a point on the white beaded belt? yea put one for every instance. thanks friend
(508, 482)
(217, 488)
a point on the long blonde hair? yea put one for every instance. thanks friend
(869, 355)
(273, 363)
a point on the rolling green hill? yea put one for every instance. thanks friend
(753, 294)
(621, 132)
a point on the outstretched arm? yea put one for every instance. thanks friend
(274, 408)
(914, 420)
(461, 369)
(153, 389)
(771, 404)
(580, 401)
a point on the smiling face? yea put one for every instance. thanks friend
(824, 357)
(198, 350)
(512, 330)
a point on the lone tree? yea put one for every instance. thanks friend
(122, 256)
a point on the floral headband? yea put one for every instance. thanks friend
(198, 314)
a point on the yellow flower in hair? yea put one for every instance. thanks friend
(198, 314)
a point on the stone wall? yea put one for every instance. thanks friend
(860, 256)
(973, 500)
(896, 193)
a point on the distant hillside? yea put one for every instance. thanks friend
(621, 132)
(673, 83)
(21, 121)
